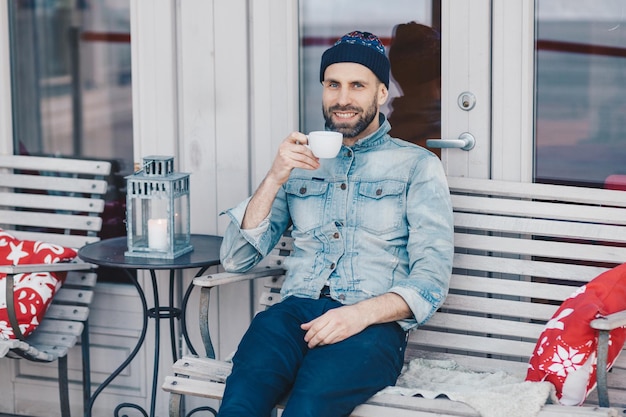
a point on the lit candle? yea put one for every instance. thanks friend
(157, 234)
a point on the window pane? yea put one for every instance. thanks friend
(71, 88)
(414, 104)
(581, 92)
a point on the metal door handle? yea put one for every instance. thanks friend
(465, 142)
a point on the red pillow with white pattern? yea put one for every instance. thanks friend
(565, 354)
(32, 293)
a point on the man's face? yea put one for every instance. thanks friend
(351, 98)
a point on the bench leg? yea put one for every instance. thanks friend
(84, 346)
(601, 373)
(64, 395)
(175, 402)
(205, 333)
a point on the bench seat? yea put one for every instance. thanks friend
(205, 377)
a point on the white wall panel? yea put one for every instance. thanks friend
(154, 71)
(232, 109)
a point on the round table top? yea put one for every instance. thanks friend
(110, 253)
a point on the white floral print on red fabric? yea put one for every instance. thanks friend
(565, 353)
(32, 293)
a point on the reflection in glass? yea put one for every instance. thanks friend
(71, 78)
(415, 57)
(581, 93)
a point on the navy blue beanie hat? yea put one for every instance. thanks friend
(362, 48)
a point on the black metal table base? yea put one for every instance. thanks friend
(158, 313)
(110, 253)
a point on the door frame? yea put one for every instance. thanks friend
(513, 90)
(6, 117)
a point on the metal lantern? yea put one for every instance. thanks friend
(157, 210)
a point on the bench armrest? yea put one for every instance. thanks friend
(221, 278)
(57, 267)
(610, 322)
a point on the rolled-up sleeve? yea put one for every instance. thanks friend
(430, 245)
(242, 249)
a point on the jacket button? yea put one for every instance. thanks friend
(379, 191)
(344, 186)
(332, 266)
(336, 235)
(349, 154)
(303, 190)
(342, 297)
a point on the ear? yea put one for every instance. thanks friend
(383, 94)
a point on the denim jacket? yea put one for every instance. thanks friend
(375, 219)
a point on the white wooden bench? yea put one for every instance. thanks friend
(520, 250)
(56, 200)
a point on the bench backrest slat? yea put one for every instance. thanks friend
(52, 220)
(511, 287)
(538, 209)
(546, 192)
(475, 344)
(588, 251)
(34, 201)
(544, 269)
(524, 330)
(553, 228)
(482, 303)
(63, 165)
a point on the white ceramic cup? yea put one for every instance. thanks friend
(325, 144)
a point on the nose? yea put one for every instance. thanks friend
(343, 97)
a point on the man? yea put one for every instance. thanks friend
(372, 252)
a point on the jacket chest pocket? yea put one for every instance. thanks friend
(380, 206)
(306, 200)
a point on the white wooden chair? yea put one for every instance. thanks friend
(520, 250)
(54, 200)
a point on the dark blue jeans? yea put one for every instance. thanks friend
(273, 361)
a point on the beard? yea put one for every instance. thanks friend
(351, 130)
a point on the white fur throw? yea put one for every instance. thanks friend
(490, 394)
